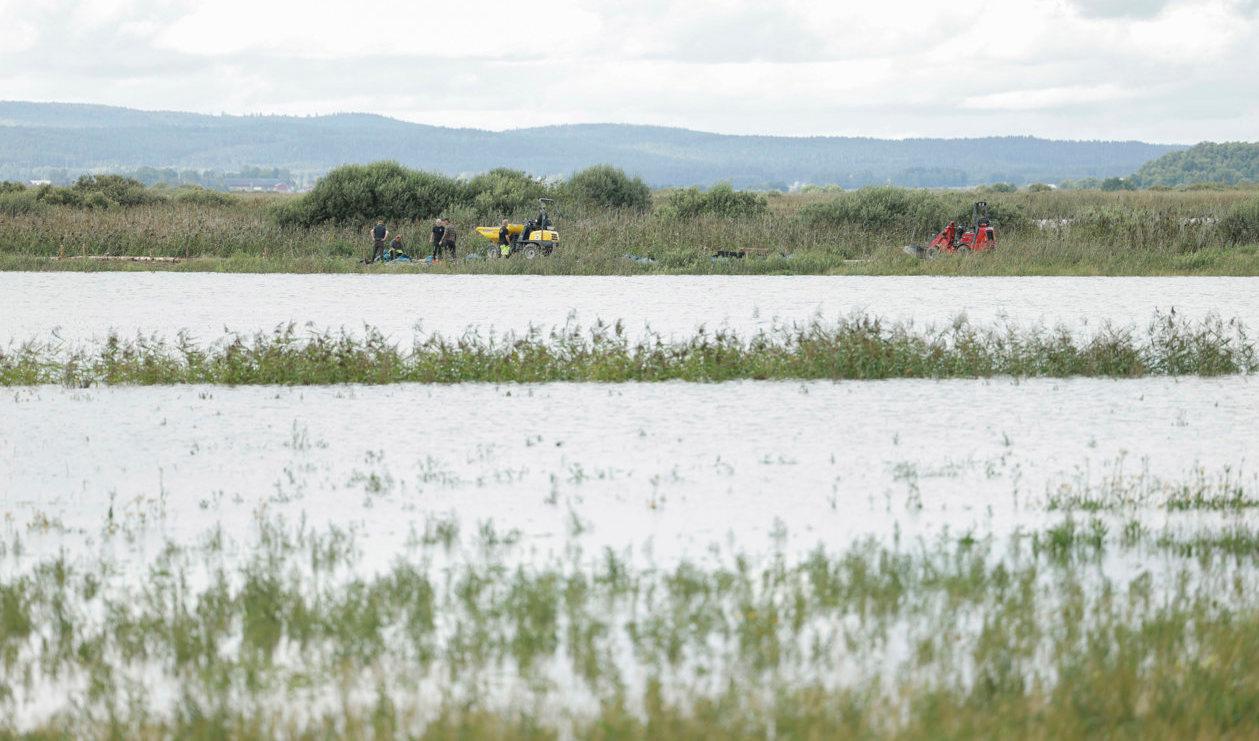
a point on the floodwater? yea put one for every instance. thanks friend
(667, 469)
(81, 307)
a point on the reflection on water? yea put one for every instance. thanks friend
(679, 466)
(86, 305)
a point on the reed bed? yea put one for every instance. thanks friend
(859, 347)
(283, 632)
(1061, 233)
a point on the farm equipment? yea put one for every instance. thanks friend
(535, 237)
(978, 237)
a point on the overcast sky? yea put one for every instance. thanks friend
(1158, 70)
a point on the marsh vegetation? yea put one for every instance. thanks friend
(1136, 616)
(859, 347)
(605, 217)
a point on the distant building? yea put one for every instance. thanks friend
(257, 185)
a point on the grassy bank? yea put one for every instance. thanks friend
(855, 348)
(1042, 233)
(284, 632)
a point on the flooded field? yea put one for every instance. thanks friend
(82, 306)
(991, 557)
(681, 466)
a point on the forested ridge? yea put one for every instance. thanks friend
(1230, 163)
(39, 140)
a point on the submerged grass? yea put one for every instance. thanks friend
(288, 635)
(859, 347)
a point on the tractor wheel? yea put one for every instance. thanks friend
(531, 251)
(931, 253)
(964, 251)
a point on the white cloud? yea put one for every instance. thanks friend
(1174, 70)
(1045, 98)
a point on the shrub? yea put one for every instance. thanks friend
(916, 211)
(1241, 223)
(291, 211)
(502, 191)
(1039, 188)
(1113, 184)
(605, 186)
(197, 196)
(720, 200)
(999, 188)
(9, 186)
(20, 202)
(115, 189)
(385, 190)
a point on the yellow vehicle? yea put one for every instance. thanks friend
(535, 237)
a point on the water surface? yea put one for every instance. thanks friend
(86, 306)
(679, 466)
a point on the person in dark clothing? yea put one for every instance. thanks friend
(396, 250)
(379, 234)
(439, 234)
(448, 238)
(504, 240)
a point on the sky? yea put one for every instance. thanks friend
(1176, 71)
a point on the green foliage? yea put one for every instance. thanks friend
(999, 188)
(1039, 188)
(720, 200)
(358, 194)
(20, 202)
(911, 211)
(8, 186)
(1230, 163)
(116, 190)
(502, 192)
(1114, 184)
(856, 348)
(1241, 224)
(604, 186)
(198, 196)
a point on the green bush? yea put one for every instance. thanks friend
(1113, 184)
(357, 194)
(9, 186)
(115, 189)
(502, 192)
(1241, 223)
(197, 196)
(20, 202)
(291, 211)
(604, 186)
(881, 208)
(999, 188)
(1039, 188)
(719, 200)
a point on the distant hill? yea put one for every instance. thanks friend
(1208, 162)
(52, 139)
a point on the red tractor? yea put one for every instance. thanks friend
(979, 237)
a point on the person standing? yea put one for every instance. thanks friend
(448, 238)
(504, 240)
(379, 234)
(439, 234)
